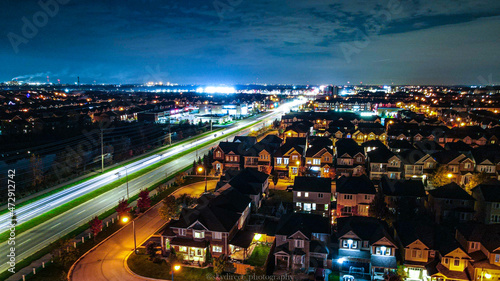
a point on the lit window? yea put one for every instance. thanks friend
(299, 194)
(306, 194)
(182, 232)
(182, 249)
(217, 249)
(199, 234)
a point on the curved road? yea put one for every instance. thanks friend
(40, 236)
(107, 261)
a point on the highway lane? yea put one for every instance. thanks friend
(27, 243)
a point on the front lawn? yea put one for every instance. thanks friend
(281, 195)
(259, 255)
(141, 265)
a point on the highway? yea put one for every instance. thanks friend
(40, 236)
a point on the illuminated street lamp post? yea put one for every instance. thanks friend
(200, 169)
(126, 175)
(174, 269)
(125, 220)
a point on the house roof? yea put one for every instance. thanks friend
(487, 234)
(380, 155)
(400, 144)
(249, 181)
(355, 185)
(457, 146)
(246, 140)
(237, 148)
(366, 228)
(348, 146)
(411, 156)
(311, 151)
(403, 188)
(428, 146)
(451, 191)
(312, 184)
(490, 191)
(410, 231)
(305, 223)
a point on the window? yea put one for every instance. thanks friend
(445, 260)
(306, 194)
(320, 195)
(299, 194)
(278, 161)
(299, 204)
(348, 196)
(294, 170)
(496, 205)
(467, 165)
(183, 249)
(285, 161)
(299, 243)
(218, 154)
(326, 207)
(313, 207)
(456, 262)
(316, 161)
(473, 245)
(198, 234)
(167, 243)
(182, 232)
(359, 159)
(349, 244)
(367, 197)
(383, 251)
(365, 244)
(294, 157)
(217, 235)
(495, 218)
(217, 249)
(327, 159)
(497, 258)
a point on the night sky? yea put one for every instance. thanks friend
(254, 41)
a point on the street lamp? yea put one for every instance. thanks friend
(449, 175)
(174, 269)
(125, 220)
(200, 169)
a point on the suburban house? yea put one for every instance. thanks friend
(354, 195)
(459, 165)
(451, 263)
(229, 155)
(351, 160)
(451, 202)
(298, 130)
(366, 249)
(312, 195)
(416, 241)
(487, 197)
(417, 164)
(482, 243)
(404, 194)
(288, 158)
(260, 157)
(319, 159)
(211, 225)
(301, 242)
(252, 183)
(384, 162)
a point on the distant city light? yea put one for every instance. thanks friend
(216, 90)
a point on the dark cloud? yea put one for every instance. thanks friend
(239, 41)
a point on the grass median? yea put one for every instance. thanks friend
(93, 194)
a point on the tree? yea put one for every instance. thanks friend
(179, 179)
(219, 265)
(151, 249)
(144, 201)
(378, 208)
(476, 179)
(276, 178)
(95, 226)
(208, 255)
(170, 208)
(123, 208)
(65, 253)
(441, 177)
(186, 200)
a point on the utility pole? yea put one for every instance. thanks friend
(210, 124)
(102, 152)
